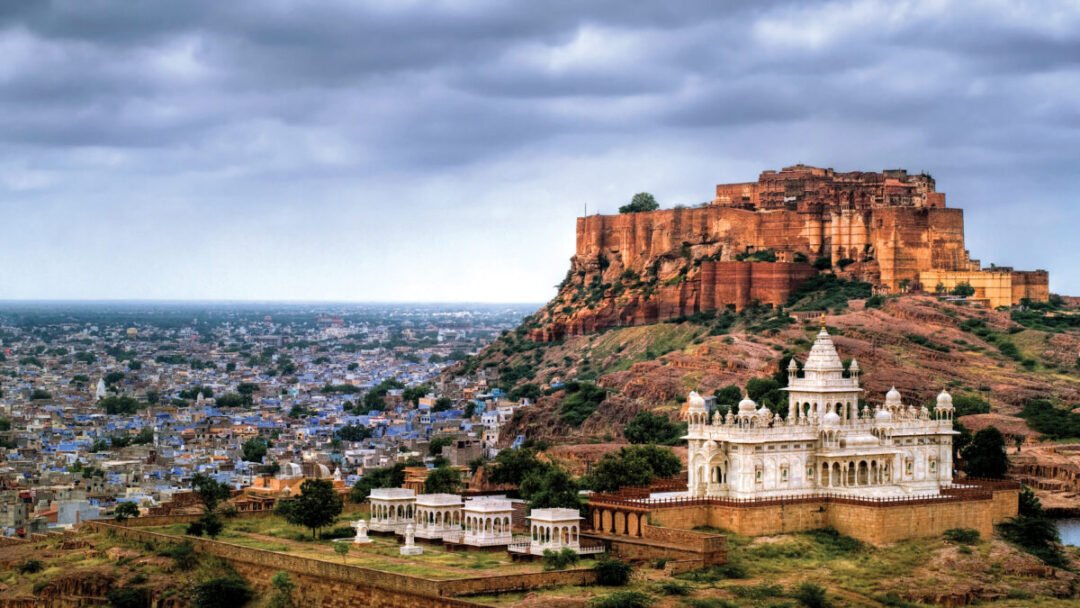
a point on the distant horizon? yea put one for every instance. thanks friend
(296, 302)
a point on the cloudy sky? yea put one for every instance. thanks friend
(440, 151)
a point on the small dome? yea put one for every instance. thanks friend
(792, 366)
(944, 401)
(747, 407)
(831, 419)
(892, 397)
(763, 411)
(883, 415)
(854, 367)
(695, 402)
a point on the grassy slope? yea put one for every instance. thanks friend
(915, 343)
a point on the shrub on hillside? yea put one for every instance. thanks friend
(612, 572)
(623, 599)
(963, 536)
(811, 596)
(560, 560)
(223, 592)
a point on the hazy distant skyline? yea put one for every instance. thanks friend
(440, 151)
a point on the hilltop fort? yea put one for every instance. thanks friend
(758, 241)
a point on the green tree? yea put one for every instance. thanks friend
(985, 455)
(128, 597)
(436, 445)
(119, 405)
(969, 404)
(229, 591)
(647, 427)
(317, 506)
(729, 395)
(612, 572)
(283, 590)
(642, 201)
(512, 466)
(254, 449)
(581, 400)
(353, 432)
(560, 560)
(375, 398)
(414, 393)
(633, 466)
(210, 491)
(963, 289)
(125, 511)
(388, 477)
(757, 388)
(1030, 505)
(342, 549)
(550, 488)
(233, 400)
(443, 480)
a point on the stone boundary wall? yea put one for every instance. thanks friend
(517, 582)
(271, 562)
(151, 521)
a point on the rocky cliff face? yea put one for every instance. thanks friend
(885, 228)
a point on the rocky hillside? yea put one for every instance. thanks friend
(916, 343)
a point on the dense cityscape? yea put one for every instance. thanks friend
(109, 403)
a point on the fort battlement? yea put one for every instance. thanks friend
(889, 228)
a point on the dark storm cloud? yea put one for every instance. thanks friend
(260, 101)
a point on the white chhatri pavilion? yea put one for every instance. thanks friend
(554, 529)
(826, 444)
(438, 515)
(487, 522)
(391, 509)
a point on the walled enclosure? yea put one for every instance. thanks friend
(327, 584)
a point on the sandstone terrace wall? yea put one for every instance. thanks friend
(689, 548)
(331, 585)
(875, 522)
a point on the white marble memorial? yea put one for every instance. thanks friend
(438, 515)
(391, 509)
(487, 522)
(410, 548)
(361, 527)
(554, 529)
(828, 443)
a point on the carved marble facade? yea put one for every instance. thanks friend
(828, 442)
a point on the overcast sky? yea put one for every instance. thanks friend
(440, 151)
